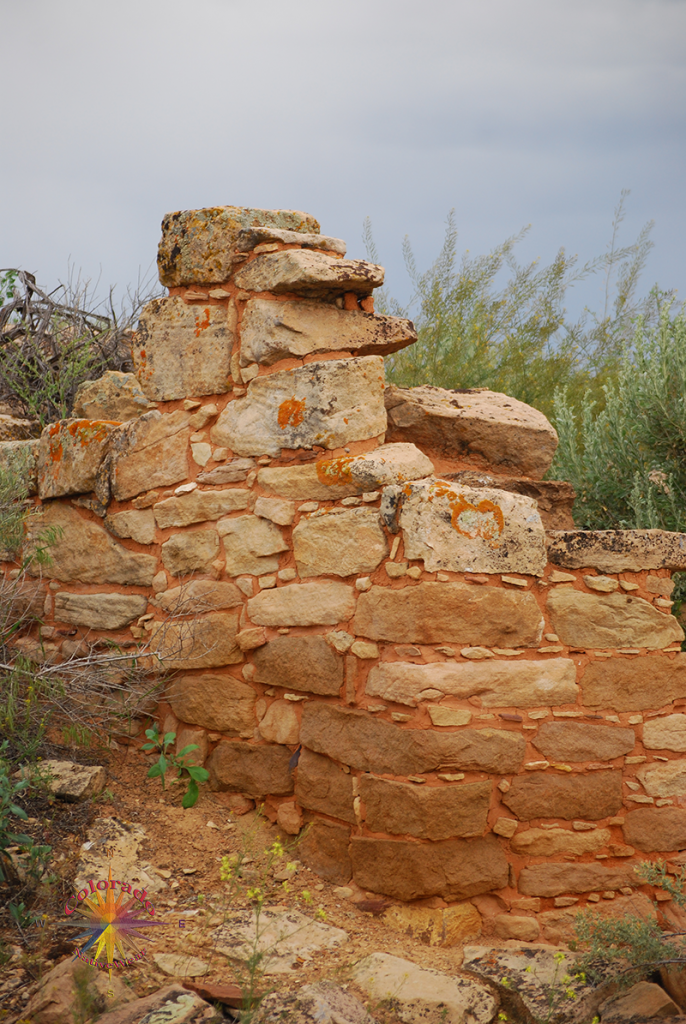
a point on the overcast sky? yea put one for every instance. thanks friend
(513, 112)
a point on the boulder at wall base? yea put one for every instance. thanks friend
(219, 703)
(320, 1003)
(453, 868)
(173, 1005)
(611, 620)
(58, 992)
(323, 786)
(642, 1001)
(70, 453)
(433, 926)
(326, 851)
(544, 795)
(256, 770)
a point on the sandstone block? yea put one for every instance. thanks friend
(197, 246)
(218, 703)
(149, 452)
(447, 716)
(20, 458)
(250, 237)
(205, 642)
(358, 739)
(303, 604)
(253, 770)
(668, 733)
(617, 550)
(310, 274)
(341, 543)
(462, 529)
(498, 683)
(523, 929)
(664, 779)
(323, 786)
(139, 525)
(555, 498)
(656, 829)
(329, 404)
(186, 737)
(553, 842)
(277, 510)
(634, 685)
(615, 620)
(438, 612)
(325, 850)
(114, 396)
(434, 927)
(199, 506)
(280, 724)
(251, 545)
(193, 551)
(576, 741)
(70, 453)
(453, 868)
(289, 819)
(299, 663)
(232, 472)
(543, 795)
(84, 552)
(280, 330)
(197, 596)
(182, 349)
(330, 479)
(99, 611)
(435, 812)
(556, 879)
(483, 425)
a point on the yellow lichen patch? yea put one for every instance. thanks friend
(335, 472)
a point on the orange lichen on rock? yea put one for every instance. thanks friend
(202, 325)
(335, 472)
(291, 412)
(484, 520)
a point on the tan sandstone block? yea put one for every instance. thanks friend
(486, 425)
(193, 551)
(99, 611)
(251, 769)
(667, 733)
(553, 842)
(498, 683)
(326, 851)
(523, 929)
(556, 879)
(70, 453)
(358, 739)
(182, 349)
(277, 510)
(280, 330)
(435, 927)
(204, 642)
(251, 545)
(303, 604)
(617, 550)
(199, 506)
(114, 396)
(437, 612)
(341, 543)
(149, 452)
(543, 795)
(664, 779)
(634, 684)
(299, 663)
(310, 274)
(656, 829)
(323, 786)
(464, 529)
(577, 741)
(446, 716)
(250, 237)
(618, 620)
(451, 868)
(218, 703)
(435, 812)
(197, 596)
(659, 585)
(138, 525)
(280, 724)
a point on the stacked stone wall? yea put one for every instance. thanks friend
(367, 627)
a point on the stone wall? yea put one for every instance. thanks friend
(379, 618)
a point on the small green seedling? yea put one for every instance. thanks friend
(167, 760)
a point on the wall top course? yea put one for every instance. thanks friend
(617, 550)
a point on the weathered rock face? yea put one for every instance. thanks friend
(435, 927)
(181, 349)
(486, 425)
(299, 663)
(190, 552)
(114, 396)
(452, 868)
(149, 452)
(590, 797)
(634, 685)
(576, 741)
(330, 479)
(617, 550)
(253, 770)
(249, 238)
(329, 404)
(231, 472)
(280, 724)
(197, 596)
(280, 330)
(498, 683)
(340, 543)
(613, 620)
(251, 544)
(199, 506)
(99, 611)
(69, 456)
(84, 552)
(436, 812)
(220, 703)
(310, 274)
(650, 829)
(138, 525)
(466, 530)
(204, 642)
(668, 733)
(323, 786)
(325, 850)
(197, 246)
(555, 842)
(663, 779)
(304, 604)
(358, 739)
(555, 879)
(436, 612)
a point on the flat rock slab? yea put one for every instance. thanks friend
(199, 506)
(299, 663)
(322, 786)
(426, 812)
(558, 879)
(579, 741)
(480, 424)
(311, 274)
(250, 237)
(422, 996)
(181, 965)
(461, 529)
(303, 604)
(321, 1003)
(325, 403)
(73, 782)
(99, 611)
(280, 330)
(173, 1005)
(617, 550)
(532, 971)
(656, 829)
(610, 621)
(281, 935)
(114, 396)
(124, 841)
